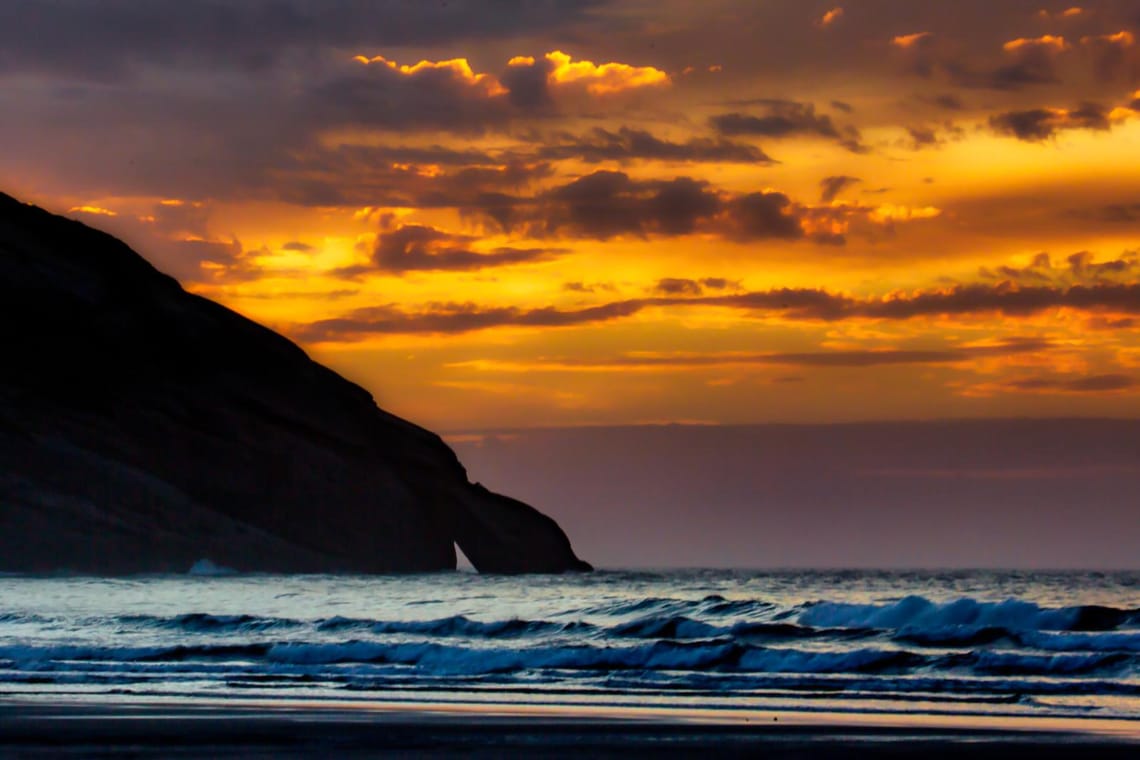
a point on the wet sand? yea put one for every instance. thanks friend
(41, 729)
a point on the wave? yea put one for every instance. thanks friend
(916, 613)
(1001, 663)
(706, 656)
(713, 604)
(22, 656)
(201, 622)
(673, 627)
(456, 625)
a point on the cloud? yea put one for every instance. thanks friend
(379, 176)
(531, 83)
(1068, 13)
(380, 93)
(910, 41)
(780, 122)
(1108, 383)
(786, 118)
(949, 102)
(119, 38)
(798, 304)
(1120, 213)
(831, 17)
(602, 79)
(858, 358)
(454, 318)
(457, 69)
(92, 211)
(1080, 268)
(678, 286)
(450, 95)
(607, 204)
(628, 144)
(830, 187)
(1032, 62)
(297, 245)
(1113, 55)
(584, 287)
(917, 51)
(528, 82)
(766, 214)
(1048, 43)
(1039, 124)
(415, 247)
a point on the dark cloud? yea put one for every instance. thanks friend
(785, 118)
(824, 359)
(999, 299)
(678, 286)
(830, 187)
(1091, 384)
(1037, 124)
(719, 283)
(528, 85)
(1032, 62)
(1114, 56)
(1122, 213)
(949, 102)
(112, 38)
(297, 245)
(414, 247)
(766, 214)
(375, 95)
(791, 303)
(584, 287)
(635, 144)
(606, 204)
(922, 137)
(383, 176)
(453, 318)
(839, 105)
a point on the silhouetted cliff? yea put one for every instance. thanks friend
(143, 428)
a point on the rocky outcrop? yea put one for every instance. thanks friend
(143, 428)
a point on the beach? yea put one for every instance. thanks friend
(39, 728)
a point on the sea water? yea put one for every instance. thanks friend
(997, 643)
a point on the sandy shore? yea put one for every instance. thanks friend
(39, 729)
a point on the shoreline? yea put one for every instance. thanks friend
(294, 728)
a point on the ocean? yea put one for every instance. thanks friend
(956, 643)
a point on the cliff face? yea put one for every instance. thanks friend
(143, 428)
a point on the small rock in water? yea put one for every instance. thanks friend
(206, 567)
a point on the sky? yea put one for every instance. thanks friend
(593, 242)
(536, 214)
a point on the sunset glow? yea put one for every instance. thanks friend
(597, 214)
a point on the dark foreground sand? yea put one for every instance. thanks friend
(39, 729)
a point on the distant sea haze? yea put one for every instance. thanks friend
(1050, 493)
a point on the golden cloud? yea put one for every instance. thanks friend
(459, 68)
(1046, 42)
(1068, 13)
(1123, 38)
(831, 16)
(602, 79)
(95, 210)
(907, 41)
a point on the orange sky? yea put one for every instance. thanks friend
(600, 213)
